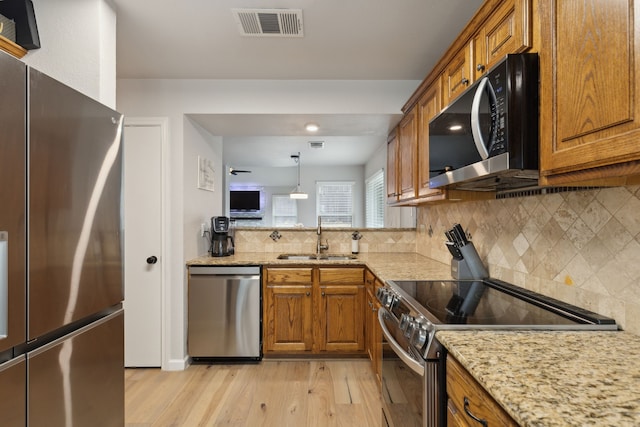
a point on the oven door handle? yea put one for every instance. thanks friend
(415, 366)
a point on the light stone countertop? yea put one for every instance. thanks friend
(547, 378)
(397, 265)
(541, 378)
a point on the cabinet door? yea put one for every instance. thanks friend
(374, 335)
(392, 172)
(590, 99)
(407, 155)
(288, 318)
(340, 309)
(288, 309)
(508, 30)
(456, 77)
(428, 107)
(341, 315)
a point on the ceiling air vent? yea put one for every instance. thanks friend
(316, 144)
(269, 22)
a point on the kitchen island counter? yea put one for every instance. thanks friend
(544, 378)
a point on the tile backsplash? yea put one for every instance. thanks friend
(294, 240)
(580, 247)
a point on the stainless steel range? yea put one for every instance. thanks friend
(412, 313)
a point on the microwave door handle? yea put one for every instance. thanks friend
(475, 119)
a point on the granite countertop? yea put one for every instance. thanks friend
(541, 378)
(399, 266)
(558, 378)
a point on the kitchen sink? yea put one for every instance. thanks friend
(321, 257)
(337, 257)
(298, 256)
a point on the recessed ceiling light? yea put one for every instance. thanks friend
(311, 127)
(455, 127)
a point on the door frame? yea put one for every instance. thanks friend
(163, 122)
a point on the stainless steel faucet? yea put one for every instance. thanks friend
(320, 247)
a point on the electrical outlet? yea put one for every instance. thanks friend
(203, 229)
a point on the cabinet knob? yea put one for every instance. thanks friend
(322, 293)
(480, 67)
(308, 293)
(152, 259)
(465, 81)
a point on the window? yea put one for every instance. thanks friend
(284, 210)
(375, 200)
(334, 203)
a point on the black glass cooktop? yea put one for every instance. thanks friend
(492, 302)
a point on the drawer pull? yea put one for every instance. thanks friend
(468, 412)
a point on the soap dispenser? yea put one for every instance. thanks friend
(355, 237)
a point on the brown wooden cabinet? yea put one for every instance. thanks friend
(313, 310)
(407, 162)
(373, 339)
(340, 309)
(590, 99)
(428, 106)
(457, 75)
(287, 309)
(467, 399)
(392, 171)
(507, 30)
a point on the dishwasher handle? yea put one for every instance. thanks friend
(224, 270)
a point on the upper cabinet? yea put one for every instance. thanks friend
(407, 155)
(590, 99)
(392, 171)
(498, 28)
(428, 107)
(457, 75)
(507, 30)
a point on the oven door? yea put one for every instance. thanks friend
(403, 384)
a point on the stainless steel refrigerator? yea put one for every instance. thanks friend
(61, 254)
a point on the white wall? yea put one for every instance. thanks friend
(77, 41)
(176, 98)
(202, 204)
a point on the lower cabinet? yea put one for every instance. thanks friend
(313, 310)
(468, 403)
(373, 331)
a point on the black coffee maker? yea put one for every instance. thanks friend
(221, 236)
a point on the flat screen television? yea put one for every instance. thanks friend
(244, 200)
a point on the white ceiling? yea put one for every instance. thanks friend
(343, 40)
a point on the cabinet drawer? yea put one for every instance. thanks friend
(462, 387)
(342, 276)
(283, 276)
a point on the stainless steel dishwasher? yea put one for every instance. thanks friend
(225, 313)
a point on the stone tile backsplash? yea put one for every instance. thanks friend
(304, 240)
(581, 247)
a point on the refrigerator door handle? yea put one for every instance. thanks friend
(4, 284)
(73, 334)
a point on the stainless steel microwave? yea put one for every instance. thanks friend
(487, 138)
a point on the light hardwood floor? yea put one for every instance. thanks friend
(270, 393)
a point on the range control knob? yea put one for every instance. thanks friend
(419, 336)
(386, 297)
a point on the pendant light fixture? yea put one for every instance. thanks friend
(297, 193)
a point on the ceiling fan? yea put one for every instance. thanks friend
(233, 171)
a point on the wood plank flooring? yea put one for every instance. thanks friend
(288, 393)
